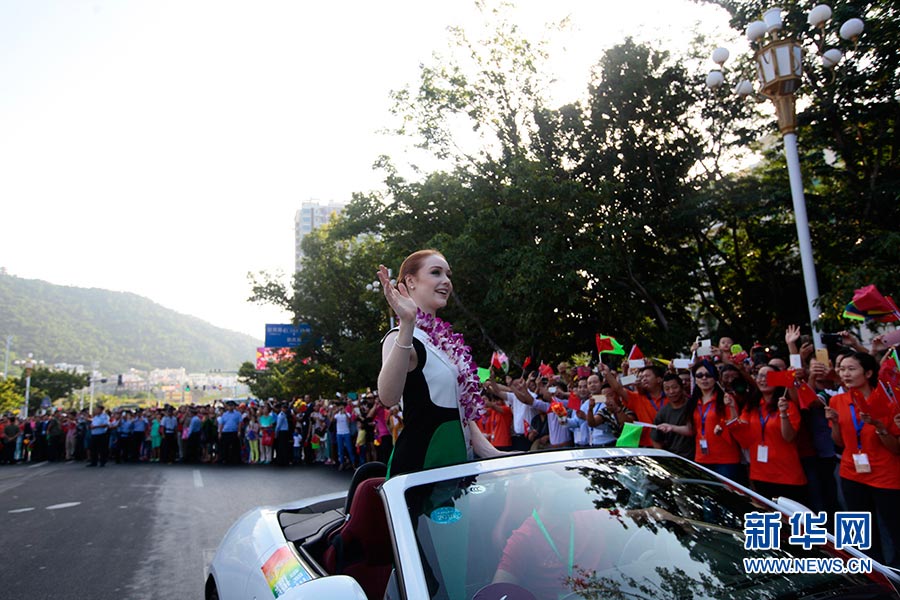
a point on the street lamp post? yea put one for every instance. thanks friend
(779, 69)
(29, 366)
(375, 286)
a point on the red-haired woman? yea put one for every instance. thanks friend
(863, 423)
(430, 369)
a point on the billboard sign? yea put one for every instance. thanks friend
(285, 335)
(264, 356)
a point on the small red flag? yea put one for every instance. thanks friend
(546, 370)
(526, 363)
(574, 401)
(636, 353)
(806, 395)
(604, 344)
(780, 378)
(526, 426)
(495, 361)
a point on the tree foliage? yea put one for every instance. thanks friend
(615, 213)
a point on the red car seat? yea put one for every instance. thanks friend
(361, 548)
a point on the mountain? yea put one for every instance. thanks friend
(120, 330)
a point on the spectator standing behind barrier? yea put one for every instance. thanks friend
(99, 437)
(283, 437)
(195, 428)
(169, 425)
(767, 428)
(870, 461)
(267, 434)
(342, 421)
(229, 444)
(155, 437)
(138, 435)
(11, 433)
(675, 414)
(384, 443)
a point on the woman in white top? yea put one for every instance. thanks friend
(429, 368)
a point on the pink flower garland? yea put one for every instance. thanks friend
(454, 346)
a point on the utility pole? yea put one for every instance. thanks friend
(94, 366)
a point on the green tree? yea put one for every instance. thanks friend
(849, 150)
(10, 399)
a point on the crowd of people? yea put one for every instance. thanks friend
(823, 432)
(344, 432)
(828, 436)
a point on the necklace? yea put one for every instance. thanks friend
(441, 335)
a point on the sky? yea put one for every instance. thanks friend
(162, 147)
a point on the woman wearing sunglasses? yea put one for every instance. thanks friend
(714, 448)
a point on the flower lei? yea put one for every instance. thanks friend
(441, 335)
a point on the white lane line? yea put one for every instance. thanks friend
(36, 465)
(198, 479)
(19, 510)
(63, 505)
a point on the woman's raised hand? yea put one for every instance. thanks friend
(398, 297)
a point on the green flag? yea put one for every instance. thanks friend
(609, 345)
(484, 374)
(630, 437)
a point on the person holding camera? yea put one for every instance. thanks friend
(430, 368)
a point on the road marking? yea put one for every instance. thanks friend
(63, 505)
(198, 479)
(20, 510)
(34, 466)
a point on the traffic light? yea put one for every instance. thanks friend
(187, 387)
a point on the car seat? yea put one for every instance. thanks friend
(361, 548)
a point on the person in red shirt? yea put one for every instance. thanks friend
(499, 419)
(768, 428)
(646, 401)
(714, 447)
(864, 423)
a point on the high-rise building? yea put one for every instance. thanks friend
(312, 215)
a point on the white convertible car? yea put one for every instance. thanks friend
(599, 523)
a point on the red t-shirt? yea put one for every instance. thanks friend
(885, 465)
(500, 426)
(783, 461)
(645, 409)
(722, 448)
(530, 558)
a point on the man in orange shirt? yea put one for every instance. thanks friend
(646, 401)
(499, 417)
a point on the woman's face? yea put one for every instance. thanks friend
(704, 379)
(852, 374)
(430, 287)
(762, 379)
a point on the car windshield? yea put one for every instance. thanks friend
(631, 527)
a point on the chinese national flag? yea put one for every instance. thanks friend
(806, 395)
(636, 353)
(495, 361)
(780, 378)
(574, 401)
(526, 363)
(546, 370)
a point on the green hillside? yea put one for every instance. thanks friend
(121, 330)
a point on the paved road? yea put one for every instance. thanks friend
(131, 531)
